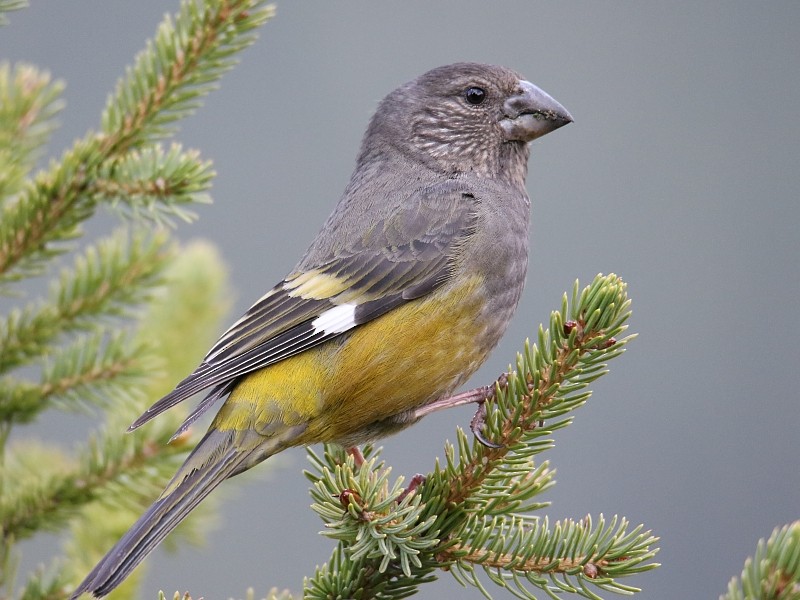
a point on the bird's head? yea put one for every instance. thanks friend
(465, 117)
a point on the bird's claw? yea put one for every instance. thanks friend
(477, 423)
(479, 420)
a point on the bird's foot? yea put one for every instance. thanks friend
(477, 396)
(479, 419)
(477, 423)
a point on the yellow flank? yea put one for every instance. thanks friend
(315, 285)
(287, 393)
(400, 361)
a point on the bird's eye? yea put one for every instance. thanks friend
(475, 95)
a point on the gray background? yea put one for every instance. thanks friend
(681, 173)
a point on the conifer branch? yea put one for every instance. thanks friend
(273, 594)
(467, 513)
(43, 585)
(46, 504)
(82, 372)
(155, 185)
(516, 550)
(773, 573)
(71, 338)
(29, 102)
(8, 6)
(107, 278)
(88, 372)
(180, 65)
(41, 494)
(165, 84)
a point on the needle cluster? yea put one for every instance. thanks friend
(113, 332)
(479, 511)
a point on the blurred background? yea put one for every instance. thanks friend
(681, 173)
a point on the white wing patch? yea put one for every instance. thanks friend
(335, 320)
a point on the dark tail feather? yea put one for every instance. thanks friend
(213, 460)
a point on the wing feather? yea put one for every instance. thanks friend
(397, 260)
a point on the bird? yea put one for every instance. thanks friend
(405, 290)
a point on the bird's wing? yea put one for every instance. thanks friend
(393, 261)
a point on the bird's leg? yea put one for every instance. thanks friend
(479, 396)
(358, 457)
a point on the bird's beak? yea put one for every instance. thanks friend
(531, 113)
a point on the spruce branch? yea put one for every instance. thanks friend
(29, 102)
(189, 54)
(107, 279)
(96, 367)
(343, 577)
(115, 476)
(8, 6)
(383, 520)
(48, 500)
(548, 382)
(773, 573)
(44, 585)
(75, 339)
(468, 513)
(516, 550)
(182, 319)
(155, 185)
(183, 63)
(273, 594)
(88, 372)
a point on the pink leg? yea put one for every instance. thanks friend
(479, 396)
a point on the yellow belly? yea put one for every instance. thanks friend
(400, 361)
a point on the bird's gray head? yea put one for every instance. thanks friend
(465, 117)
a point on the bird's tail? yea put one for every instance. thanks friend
(219, 455)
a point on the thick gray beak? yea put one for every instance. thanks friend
(531, 113)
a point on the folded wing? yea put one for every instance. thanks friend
(396, 260)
